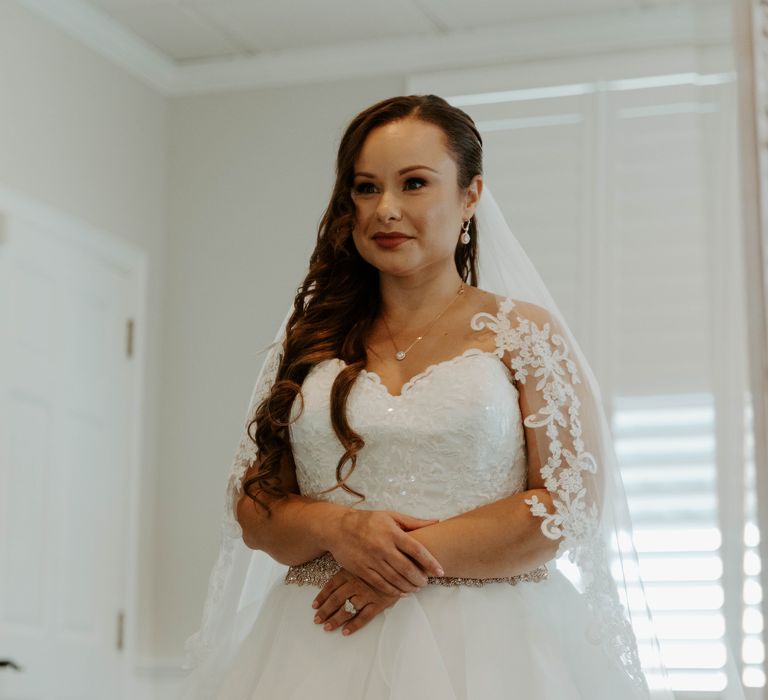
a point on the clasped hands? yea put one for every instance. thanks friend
(380, 564)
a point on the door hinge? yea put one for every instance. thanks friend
(120, 630)
(129, 338)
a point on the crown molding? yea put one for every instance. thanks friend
(108, 38)
(687, 23)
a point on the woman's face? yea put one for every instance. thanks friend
(405, 181)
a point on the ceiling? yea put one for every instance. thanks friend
(197, 45)
(195, 30)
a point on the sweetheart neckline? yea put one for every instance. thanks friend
(469, 352)
(406, 388)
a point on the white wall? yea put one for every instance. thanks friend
(224, 194)
(250, 175)
(84, 137)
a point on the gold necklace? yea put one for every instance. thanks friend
(400, 354)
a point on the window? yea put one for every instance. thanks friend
(667, 452)
(619, 177)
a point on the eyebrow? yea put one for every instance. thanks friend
(399, 172)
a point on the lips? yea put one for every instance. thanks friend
(393, 234)
(390, 240)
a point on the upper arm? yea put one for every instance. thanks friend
(288, 479)
(530, 401)
(567, 436)
(533, 449)
(561, 416)
(246, 506)
(287, 474)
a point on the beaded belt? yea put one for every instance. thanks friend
(320, 570)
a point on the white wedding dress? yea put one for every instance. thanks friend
(441, 447)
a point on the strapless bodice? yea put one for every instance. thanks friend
(452, 440)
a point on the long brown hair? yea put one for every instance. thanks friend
(338, 301)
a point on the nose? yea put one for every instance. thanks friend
(388, 207)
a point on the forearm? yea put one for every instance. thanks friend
(299, 529)
(499, 539)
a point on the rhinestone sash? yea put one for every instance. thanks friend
(318, 571)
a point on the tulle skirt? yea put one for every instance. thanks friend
(450, 642)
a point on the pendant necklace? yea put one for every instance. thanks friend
(400, 354)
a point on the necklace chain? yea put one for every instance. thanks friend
(400, 354)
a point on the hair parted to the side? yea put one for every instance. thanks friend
(338, 301)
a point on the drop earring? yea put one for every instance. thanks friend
(464, 232)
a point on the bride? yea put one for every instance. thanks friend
(425, 502)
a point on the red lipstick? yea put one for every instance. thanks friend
(390, 240)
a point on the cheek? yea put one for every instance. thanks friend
(365, 247)
(363, 222)
(439, 225)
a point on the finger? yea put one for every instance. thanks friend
(392, 583)
(363, 617)
(410, 522)
(407, 568)
(333, 603)
(341, 616)
(426, 523)
(330, 586)
(410, 582)
(376, 581)
(417, 551)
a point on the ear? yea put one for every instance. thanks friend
(472, 197)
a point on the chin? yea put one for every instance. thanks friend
(400, 270)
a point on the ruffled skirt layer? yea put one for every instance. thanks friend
(450, 642)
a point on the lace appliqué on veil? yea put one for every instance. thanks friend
(246, 451)
(536, 355)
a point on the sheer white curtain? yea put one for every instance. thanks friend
(751, 50)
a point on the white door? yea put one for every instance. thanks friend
(65, 427)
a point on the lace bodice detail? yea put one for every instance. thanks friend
(451, 441)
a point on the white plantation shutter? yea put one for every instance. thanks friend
(624, 192)
(666, 448)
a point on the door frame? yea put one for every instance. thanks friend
(133, 263)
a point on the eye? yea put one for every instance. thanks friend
(360, 189)
(416, 179)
